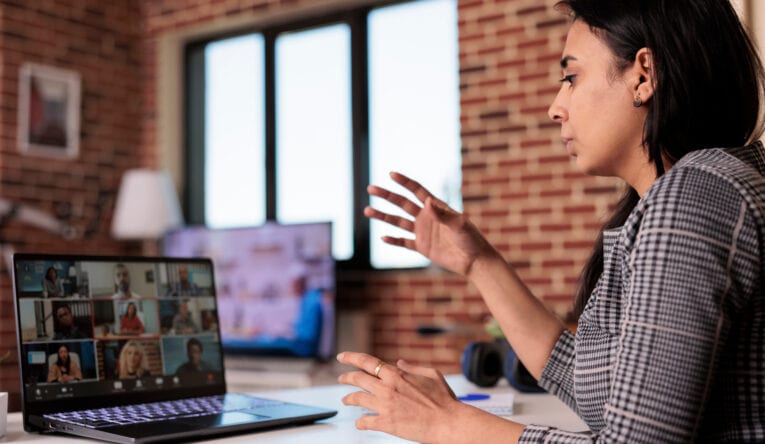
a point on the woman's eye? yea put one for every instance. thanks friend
(569, 78)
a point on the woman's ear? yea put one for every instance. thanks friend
(643, 74)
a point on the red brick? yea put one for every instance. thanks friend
(494, 147)
(483, 20)
(575, 209)
(602, 190)
(527, 44)
(464, 5)
(578, 244)
(536, 246)
(491, 50)
(514, 229)
(531, 10)
(551, 23)
(512, 163)
(512, 97)
(533, 76)
(554, 227)
(511, 63)
(513, 128)
(558, 263)
(510, 31)
(534, 143)
(554, 159)
(536, 177)
(554, 193)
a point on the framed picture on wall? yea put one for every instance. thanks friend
(49, 111)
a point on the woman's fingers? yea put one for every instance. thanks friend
(360, 379)
(362, 361)
(410, 405)
(395, 198)
(362, 399)
(366, 422)
(396, 221)
(417, 370)
(427, 372)
(400, 242)
(375, 368)
(412, 185)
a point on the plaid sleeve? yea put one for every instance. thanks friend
(558, 375)
(690, 266)
(536, 434)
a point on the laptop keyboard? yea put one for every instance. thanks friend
(161, 411)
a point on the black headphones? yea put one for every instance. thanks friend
(483, 363)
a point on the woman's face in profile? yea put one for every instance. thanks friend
(63, 354)
(600, 127)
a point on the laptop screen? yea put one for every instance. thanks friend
(94, 327)
(276, 285)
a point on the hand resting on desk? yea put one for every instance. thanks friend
(414, 403)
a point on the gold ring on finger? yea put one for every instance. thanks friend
(378, 368)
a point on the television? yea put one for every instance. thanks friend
(275, 285)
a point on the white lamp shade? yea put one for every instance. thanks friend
(147, 205)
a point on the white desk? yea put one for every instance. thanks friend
(529, 408)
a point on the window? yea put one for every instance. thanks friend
(291, 123)
(234, 136)
(313, 131)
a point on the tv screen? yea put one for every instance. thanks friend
(275, 285)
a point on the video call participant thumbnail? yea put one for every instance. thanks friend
(63, 369)
(64, 324)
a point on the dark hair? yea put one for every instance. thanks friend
(708, 84)
(47, 273)
(191, 342)
(60, 363)
(127, 309)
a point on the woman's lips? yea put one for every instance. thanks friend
(569, 144)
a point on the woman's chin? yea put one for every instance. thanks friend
(587, 168)
(581, 164)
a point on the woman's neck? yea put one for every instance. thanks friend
(640, 173)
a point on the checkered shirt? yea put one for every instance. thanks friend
(671, 345)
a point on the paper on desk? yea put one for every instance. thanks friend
(498, 404)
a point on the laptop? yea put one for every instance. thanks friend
(107, 350)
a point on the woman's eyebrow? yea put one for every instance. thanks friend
(564, 61)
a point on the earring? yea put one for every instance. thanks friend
(637, 102)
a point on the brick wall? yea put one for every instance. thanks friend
(98, 39)
(519, 186)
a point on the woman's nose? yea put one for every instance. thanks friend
(556, 111)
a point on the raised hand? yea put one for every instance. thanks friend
(441, 234)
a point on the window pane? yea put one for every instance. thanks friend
(414, 109)
(313, 131)
(234, 133)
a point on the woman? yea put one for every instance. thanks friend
(670, 344)
(52, 287)
(133, 363)
(64, 369)
(130, 323)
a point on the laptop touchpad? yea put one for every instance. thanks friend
(223, 419)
